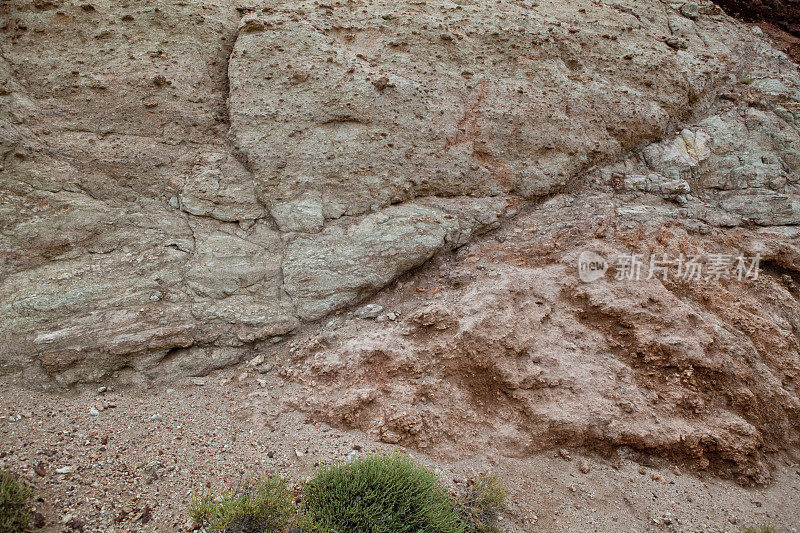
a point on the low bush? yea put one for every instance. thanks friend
(764, 528)
(15, 515)
(259, 507)
(371, 494)
(480, 505)
(380, 494)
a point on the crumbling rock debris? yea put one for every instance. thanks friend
(528, 357)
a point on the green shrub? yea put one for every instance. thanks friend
(764, 528)
(373, 494)
(15, 516)
(380, 494)
(259, 507)
(481, 504)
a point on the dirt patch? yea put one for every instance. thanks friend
(127, 470)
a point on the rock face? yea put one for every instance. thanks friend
(739, 166)
(502, 348)
(508, 346)
(504, 343)
(339, 265)
(185, 184)
(341, 111)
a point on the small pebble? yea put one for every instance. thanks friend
(369, 311)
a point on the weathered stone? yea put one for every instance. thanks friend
(765, 208)
(342, 111)
(176, 187)
(369, 311)
(658, 184)
(222, 189)
(341, 264)
(225, 263)
(690, 10)
(527, 356)
(742, 165)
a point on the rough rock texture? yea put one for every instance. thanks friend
(186, 184)
(340, 111)
(738, 166)
(107, 114)
(340, 264)
(132, 226)
(503, 348)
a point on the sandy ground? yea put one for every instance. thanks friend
(132, 464)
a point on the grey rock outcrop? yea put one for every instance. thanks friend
(221, 189)
(341, 111)
(741, 165)
(326, 270)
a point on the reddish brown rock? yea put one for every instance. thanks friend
(783, 13)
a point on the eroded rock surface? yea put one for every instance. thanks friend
(503, 348)
(342, 263)
(186, 185)
(341, 110)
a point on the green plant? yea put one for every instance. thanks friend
(763, 528)
(481, 504)
(380, 494)
(15, 516)
(259, 507)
